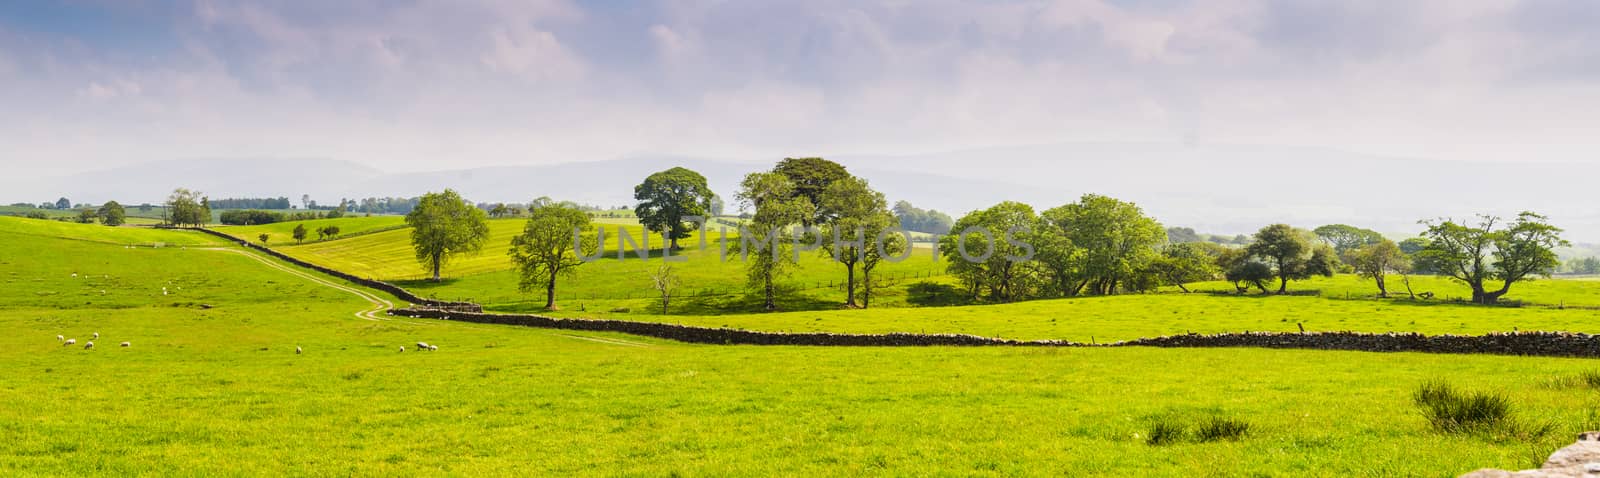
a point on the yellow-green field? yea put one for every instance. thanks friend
(211, 384)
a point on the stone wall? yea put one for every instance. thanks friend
(1554, 344)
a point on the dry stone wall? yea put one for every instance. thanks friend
(1556, 344)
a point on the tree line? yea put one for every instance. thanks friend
(1097, 245)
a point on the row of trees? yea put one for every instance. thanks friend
(1096, 246)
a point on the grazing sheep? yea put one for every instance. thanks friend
(74, 275)
(96, 335)
(402, 348)
(60, 338)
(422, 345)
(433, 348)
(297, 350)
(127, 344)
(88, 345)
(69, 342)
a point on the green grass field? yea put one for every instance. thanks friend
(211, 384)
(282, 233)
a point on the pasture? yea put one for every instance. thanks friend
(211, 384)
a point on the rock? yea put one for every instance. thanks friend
(1581, 459)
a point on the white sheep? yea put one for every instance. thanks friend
(74, 275)
(60, 338)
(433, 348)
(422, 345)
(96, 335)
(402, 348)
(69, 342)
(88, 345)
(127, 344)
(297, 350)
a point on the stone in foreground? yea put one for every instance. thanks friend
(1581, 459)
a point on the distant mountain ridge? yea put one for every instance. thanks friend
(1214, 188)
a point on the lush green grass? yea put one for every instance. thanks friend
(282, 233)
(98, 233)
(219, 390)
(1126, 317)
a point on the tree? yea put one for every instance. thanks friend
(541, 201)
(665, 281)
(861, 216)
(548, 248)
(63, 204)
(112, 214)
(299, 233)
(264, 237)
(498, 211)
(1057, 260)
(187, 207)
(1179, 235)
(1183, 263)
(1345, 238)
(1290, 253)
(86, 216)
(810, 177)
(1374, 261)
(987, 251)
(921, 220)
(1480, 254)
(717, 205)
(442, 226)
(666, 197)
(305, 201)
(1116, 238)
(776, 206)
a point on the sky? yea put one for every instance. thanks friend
(407, 85)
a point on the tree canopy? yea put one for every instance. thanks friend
(666, 197)
(1375, 261)
(1492, 251)
(1292, 255)
(986, 254)
(442, 226)
(548, 248)
(1115, 238)
(772, 197)
(112, 214)
(187, 208)
(861, 215)
(810, 177)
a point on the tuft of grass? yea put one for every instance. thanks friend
(1167, 430)
(1453, 411)
(1218, 428)
(1590, 378)
(1164, 431)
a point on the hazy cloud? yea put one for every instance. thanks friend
(430, 84)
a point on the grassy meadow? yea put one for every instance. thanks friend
(211, 385)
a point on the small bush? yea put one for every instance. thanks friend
(1217, 428)
(1453, 411)
(1164, 431)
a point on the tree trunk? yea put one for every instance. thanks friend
(550, 293)
(767, 279)
(1182, 288)
(850, 285)
(1382, 291)
(1283, 285)
(866, 288)
(436, 260)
